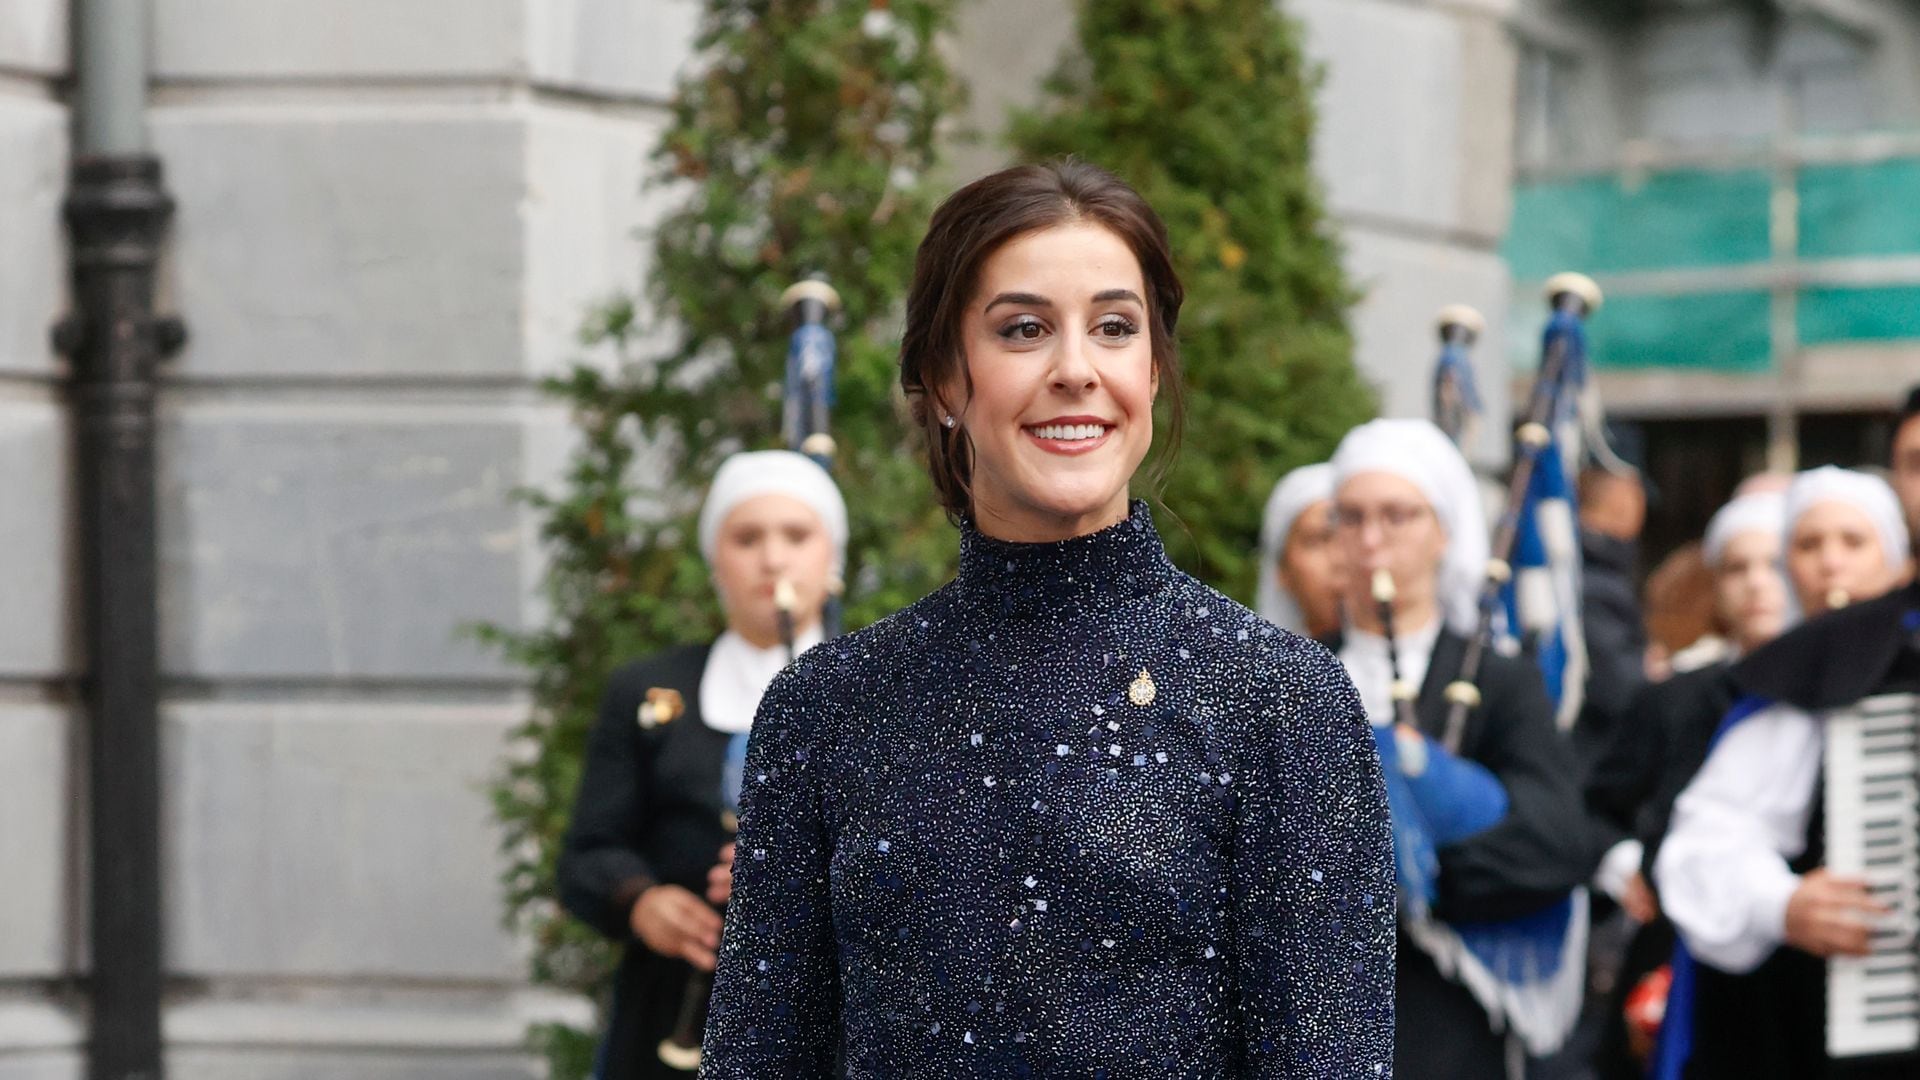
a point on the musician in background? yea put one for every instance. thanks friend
(1663, 739)
(1846, 538)
(1495, 970)
(1741, 870)
(648, 856)
(1300, 562)
(1670, 722)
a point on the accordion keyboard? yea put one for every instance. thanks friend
(1873, 833)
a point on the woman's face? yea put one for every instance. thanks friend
(1835, 548)
(1063, 383)
(761, 541)
(1384, 522)
(1749, 592)
(1310, 568)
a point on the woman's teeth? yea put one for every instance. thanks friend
(1069, 432)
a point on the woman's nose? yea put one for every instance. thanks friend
(1072, 369)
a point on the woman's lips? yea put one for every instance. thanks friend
(1069, 440)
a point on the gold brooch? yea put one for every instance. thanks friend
(662, 706)
(1141, 690)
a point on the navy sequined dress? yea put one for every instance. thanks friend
(1073, 815)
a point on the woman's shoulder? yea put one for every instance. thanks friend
(840, 669)
(1259, 657)
(876, 645)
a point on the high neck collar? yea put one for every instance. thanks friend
(1065, 578)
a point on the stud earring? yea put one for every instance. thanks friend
(949, 421)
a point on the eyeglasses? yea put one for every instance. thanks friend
(1393, 518)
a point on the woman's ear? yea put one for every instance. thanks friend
(949, 400)
(944, 415)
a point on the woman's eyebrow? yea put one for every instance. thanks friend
(1035, 300)
(1020, 298)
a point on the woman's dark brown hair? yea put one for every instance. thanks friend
(966, 230)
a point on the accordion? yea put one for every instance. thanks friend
(1872, 808)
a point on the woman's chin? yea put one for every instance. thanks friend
(1100, 507)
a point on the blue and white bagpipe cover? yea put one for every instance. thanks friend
(1541, 602)
(1456, 398)
(1529, 974)
(1543, 599)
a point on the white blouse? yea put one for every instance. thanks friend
(737, 674)
(1365, 657)
(1722, 871)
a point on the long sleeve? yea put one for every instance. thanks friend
(1546, 845)
(1312, 894)
(776, 989)
(601, 869)
(1722, 872)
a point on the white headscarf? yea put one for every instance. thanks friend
(1763, 512)
(755, 473)
(1863, 491)
(1292, 496)
(1420, 454)
(737, 671)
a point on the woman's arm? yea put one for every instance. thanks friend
(777, 984)
(1313, 890)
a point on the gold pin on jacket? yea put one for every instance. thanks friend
(1141, 691)
(663, 705)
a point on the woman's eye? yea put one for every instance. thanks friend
(1023, 330)
(1118, 328)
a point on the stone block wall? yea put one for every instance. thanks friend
(39, 923)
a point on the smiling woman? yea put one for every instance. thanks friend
(1040, 328)
(1074, 814)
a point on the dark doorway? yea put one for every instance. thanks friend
(1694, 465)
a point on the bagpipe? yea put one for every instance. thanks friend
(1434, 797)
(1527, 972)
(807, 408)
(1531, 588)
(806, 412)
(1456, 398)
